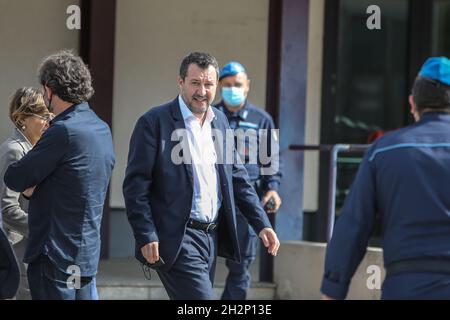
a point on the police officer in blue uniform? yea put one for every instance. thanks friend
(247, 119)
(405, 179)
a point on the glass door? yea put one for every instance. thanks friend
(440, 44)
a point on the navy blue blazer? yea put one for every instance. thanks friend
(9, 267)
(158, 192)
(71, 166)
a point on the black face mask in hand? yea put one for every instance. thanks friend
(270, 205)
(147, 266)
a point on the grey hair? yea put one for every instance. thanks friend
(67, 76)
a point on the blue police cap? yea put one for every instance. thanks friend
(436, 68)
(231, 69)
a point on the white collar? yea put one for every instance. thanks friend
(186, 113)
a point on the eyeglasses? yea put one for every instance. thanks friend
(46, 118)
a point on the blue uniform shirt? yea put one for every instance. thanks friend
(252, 117)
(405, 178)
(71, 167)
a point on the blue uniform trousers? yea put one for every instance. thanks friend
(239, 277)
(416, 285)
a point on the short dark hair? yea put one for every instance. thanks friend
(430, 94)
(67, 76)
(203, 60)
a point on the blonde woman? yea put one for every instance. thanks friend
(30, 117)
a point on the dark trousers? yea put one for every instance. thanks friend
(47, 282)
(239, 277)
(416, 285)
(24, 290)
(192, 275)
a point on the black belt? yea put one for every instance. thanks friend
(419, 265)
(205, 226)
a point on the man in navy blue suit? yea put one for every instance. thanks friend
(71, 167)
(180, 193)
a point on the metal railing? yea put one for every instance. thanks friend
(334, 150)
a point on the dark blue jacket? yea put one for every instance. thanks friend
(252, 117)
(71, 166)
(9, 268)
(405, 178)
(158, 192)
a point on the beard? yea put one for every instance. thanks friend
(198, 105)
(48, 103)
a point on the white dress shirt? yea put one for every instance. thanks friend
(207, 196)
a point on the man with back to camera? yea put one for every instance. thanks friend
(247, 120)
(183, 212)
(71, 167)
(405, 178)
(9, 266)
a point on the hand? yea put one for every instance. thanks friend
(270, 240)
(325, 297)
(151, 252)
(29, 192)
(272, 194)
